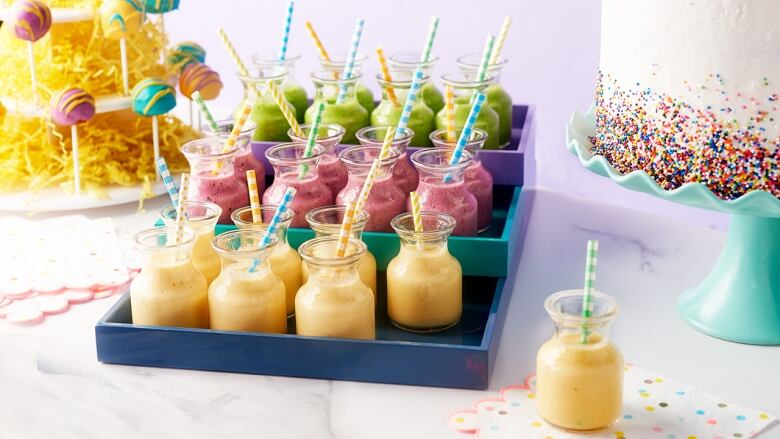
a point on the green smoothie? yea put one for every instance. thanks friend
(501, 103)
(488, 119)
(271, 124)
(432, 97)
(366, 97)
(421, 120)
(351, 115)
(296, 96)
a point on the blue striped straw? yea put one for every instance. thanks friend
(350, 65)
(465, 134)
(170, 185)
(274, 224)
(414, 90)
(286, 34)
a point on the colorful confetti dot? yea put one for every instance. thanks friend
(699, 412)
(722, 404)
(763, 416)
(740, 418)
(531, 396)
(536, 424)
(679, 393)
(650, 408)
(712, 421)
(657, 429)
(663, 404)
(628, 417)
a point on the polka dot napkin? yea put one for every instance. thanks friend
(653, 407)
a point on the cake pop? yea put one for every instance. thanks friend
(120, 18)
(200, 78)
(160, 6)
(186, 53)
(70, 108)
(31, 19)
(153, 97)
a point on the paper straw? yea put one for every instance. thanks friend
(410, 99)
(387, 143)
(380, 55)
(204, 110)
(449, 109)
(350, 65)
(426, 54)
(317, 42)
(414, 198)
(346, 229)
(312, 139)
(231, 50)
(274, 224)
(502, 34)
(367, 185)
(74, 139)
(181, 208)
(232, 139)
(465, 134)
(170, 186)
(286, 34)
(483, 66)
(591, 260)
(254, 197)
(287, 111)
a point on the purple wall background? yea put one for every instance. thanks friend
(553, 50)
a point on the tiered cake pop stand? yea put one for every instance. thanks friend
(740, 299)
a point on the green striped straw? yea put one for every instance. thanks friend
(350, 64)
(590, 280)
(312, 139)
(286, 34)
(483, 66)
(411, 97)
(205, 111)
(287, 198)
(426, 55)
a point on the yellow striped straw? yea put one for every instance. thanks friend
(388, 143)
(367, 185)
(178, 229)
(285, 107)
(317, 42)
(449, 108)
(231, 141)
(503, 33)
(231, 50)
(380, 56)
(416, 211)
(254, 197)
(346, 230)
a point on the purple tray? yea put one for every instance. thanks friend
(506, 165)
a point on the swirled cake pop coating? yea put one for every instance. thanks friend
(186, 53)
(200, 77)
(153, 97)
(120, 17)
(161, 6)
(31, 19)
(72, 106)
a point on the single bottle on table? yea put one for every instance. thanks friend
(247, 295)
(424, 281)
(271, 125)
(409, 61)
(331, 171)
(348, 113)
(213, 177)
(293, 169)
(498, 98)
(336, 64)
(465, 85)
(421, 120)
(291, 89)
(326, 221)
(579, 372)
(404, 174)
(386, 199)
(334, 302)
(168, 291)
(202, 217)
(245, 160)
(442, 188)
(478, 179)
(284, 261)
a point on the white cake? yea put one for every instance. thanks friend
(688, 92)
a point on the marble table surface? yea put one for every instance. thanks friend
(51, 385)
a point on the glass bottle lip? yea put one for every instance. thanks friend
(225, 126)
(271, 58)
(605, 308)
(223, 243)
(437, 160)
(316, 221)
(355, 250)
(329, 134)
(472, 62)
(338, 59)
(265, 74)
(403, 224)
(212, 212)
(375, 136)
(208, 147)
(439, 138)
(356, 156)
(402, 79)
(151, 239)
(410, 59)
(242, 217)
(327, 77)
(276, 156)
(465, 80)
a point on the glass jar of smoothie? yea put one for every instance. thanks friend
(292, 91)
(409, 61)
(442, 188)
(424, 282)
(497, 97)
(336, 64)
(579, 372)
(202, 217)
(421, 120)
(326, 221)
(284, 261)
(465, 85)
(271, 126)
(331, 171)
(334, 302)
(168, 291)
(246, 296)
(386, 199)
(478, 179)
(245, 159)
(288, 162)
(404, 174)
(213, 177)
(349, 113)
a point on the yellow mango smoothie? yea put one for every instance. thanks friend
(202, 216)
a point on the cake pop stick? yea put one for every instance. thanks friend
(161, 7)
(153, 97)
(120, 18)
(69, 108)
(31, 20)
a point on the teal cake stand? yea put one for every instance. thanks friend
(740, 299)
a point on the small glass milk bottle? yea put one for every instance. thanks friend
(442, 188)
(202, 217)
(336, 64)
(409, 61)
(497, 97)
(330, 169)
(579, 372)
(478, 179)
(271, 126)
(288, 161)
(245, 159)
(421, 120)
(424, 282)
(334, 302)
(326, 221)
(348, 113)
(404, 174)
(246, 296)
(292, 91)
(213, 177)
(465, 85)
(168, 291)
(284, 261)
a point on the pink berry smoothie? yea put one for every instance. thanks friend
(452, 198)
(312, 193)
(480, 183)
(404, 174)
(245, 161)
(385, 201)
(332, 172)
(330, 169)
(224, 190)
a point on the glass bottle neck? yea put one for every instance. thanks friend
(330, 274)
(328, 91)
